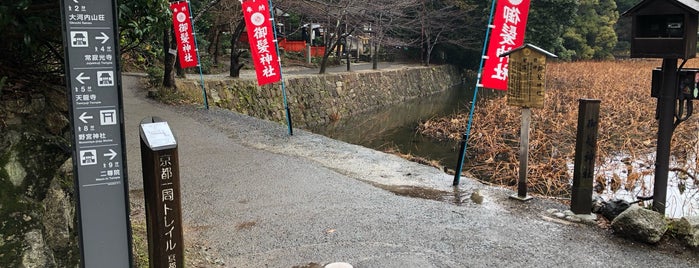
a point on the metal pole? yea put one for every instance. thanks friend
(462, 152)
(276, 45)
(196, 47)
(667, 103)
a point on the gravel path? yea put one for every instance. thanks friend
(253, 196)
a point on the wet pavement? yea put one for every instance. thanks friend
(254, 196)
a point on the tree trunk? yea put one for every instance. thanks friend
(169, 74)
(425, 53)
(429, 56)
(326, 55)
(375, 64)
(216, 44)
(331, 45)
(349, 51)
(234, 70)
(178, 68)
(324, 62)
(235, 67)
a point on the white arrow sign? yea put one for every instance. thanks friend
(111, 154)
(82, 78)
(104, 37)
(84, 117)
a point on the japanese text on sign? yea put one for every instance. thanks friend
(183, 31)
(527, 79)
(262, 46)
(93, 84)
(167, 196)
(509, 26)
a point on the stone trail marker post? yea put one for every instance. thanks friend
(93, 82)
(161, 187)
(526, 89)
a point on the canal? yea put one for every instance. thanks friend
(395, 127)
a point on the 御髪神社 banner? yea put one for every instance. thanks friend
(262, 45)
(510, 23)
(186, 48)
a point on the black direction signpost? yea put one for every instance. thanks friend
(94, 83)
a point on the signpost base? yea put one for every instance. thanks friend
(521, 198)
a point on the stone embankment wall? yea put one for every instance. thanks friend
(316, 99)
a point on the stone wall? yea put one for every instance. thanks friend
(37, 200)
(316, 99)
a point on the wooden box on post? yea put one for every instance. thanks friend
(526, 89)
(161, 186)
(664, 29)
(526, 82)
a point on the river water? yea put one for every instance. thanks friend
(395, 127)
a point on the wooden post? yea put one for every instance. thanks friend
(524, 155)
(667, 105)
(585, 155)
(161, 185)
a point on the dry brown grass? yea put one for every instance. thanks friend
(627, 124)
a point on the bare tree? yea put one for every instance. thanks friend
(338, 26)
(382, 18)
(417, 23)
(433, 22)
(339, 19)
(227, 17)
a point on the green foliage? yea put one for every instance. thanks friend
(623, 27)
(207, 64)
(592, 36)
(292, 26)
(141, 24)
(548, 21)
(140, 243)
(31, 36)
(155, 75)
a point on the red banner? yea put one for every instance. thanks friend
(262, 46)
(510, 23)
(186, 48)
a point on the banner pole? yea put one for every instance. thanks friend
(276, 44)
(464, 141)
(196, 48)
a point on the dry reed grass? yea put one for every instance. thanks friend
(627, 125)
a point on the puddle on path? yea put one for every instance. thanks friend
(457, 197)
(417, 192)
